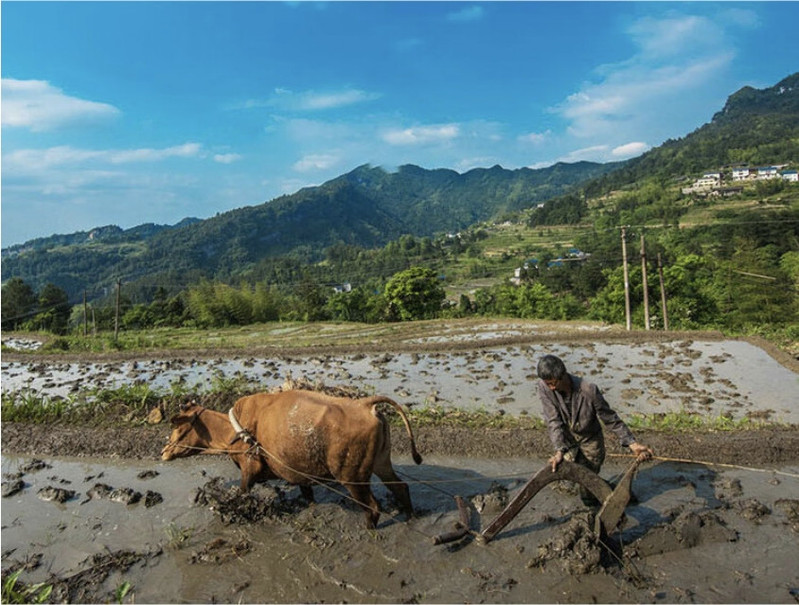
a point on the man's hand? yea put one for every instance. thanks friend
(643, 452)
(556, 459)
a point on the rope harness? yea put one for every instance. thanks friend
(255, 448)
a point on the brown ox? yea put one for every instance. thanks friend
(303, 437)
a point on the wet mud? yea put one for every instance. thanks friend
(93, 512)
(686, 536)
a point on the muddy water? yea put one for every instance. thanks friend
(710, 377)
(693, 533)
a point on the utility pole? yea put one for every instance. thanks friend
(645, 284)
(85, 315)
(116, 313)
(626, 277)
(663, 295)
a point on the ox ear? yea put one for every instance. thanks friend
(179, 419)
(187, 404)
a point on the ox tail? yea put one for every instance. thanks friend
(417, 457)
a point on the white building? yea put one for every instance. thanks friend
(767, 172)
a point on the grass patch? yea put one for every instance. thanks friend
(15, 591)
(684, 421)
(178, 537)
(475, 419)
(26, 406)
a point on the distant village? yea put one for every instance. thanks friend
(714, 183)
(710, 184)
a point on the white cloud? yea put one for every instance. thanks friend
(673, 35)
(421, 135)
(187, 150)
(39, 106)
(316, 161)
(469, 13)
(629, 150)
(467, 164)
(535, 137)
(34, 160)
(677, 59)
(288, 100)
(227, 158)
(595, 153)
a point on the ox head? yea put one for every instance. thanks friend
(189, 434)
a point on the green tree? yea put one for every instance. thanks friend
(54, 309)
(18, 301)
(752, 288)
(415, 293)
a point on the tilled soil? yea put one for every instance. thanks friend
(751, 447)
(92, 511)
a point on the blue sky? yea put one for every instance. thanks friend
(133, 112)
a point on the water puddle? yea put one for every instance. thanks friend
(713, 378)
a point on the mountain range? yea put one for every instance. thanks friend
(371, 206)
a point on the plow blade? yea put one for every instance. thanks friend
(566, 470)
(614, 500)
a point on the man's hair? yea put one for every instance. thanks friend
(551, 368)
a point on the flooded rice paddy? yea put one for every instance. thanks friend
(180, 532)
(728, 377)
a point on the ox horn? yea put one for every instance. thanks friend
(241, 432)
(236, 426)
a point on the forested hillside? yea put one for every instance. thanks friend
(755, 127)
(367, 207)
(374, 245)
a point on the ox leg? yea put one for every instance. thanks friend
(362, 494)
(397, 487)
(250, 469)
(388, 476)
(307, 492)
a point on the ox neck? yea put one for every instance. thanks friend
(222, 433)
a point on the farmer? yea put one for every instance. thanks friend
(572, 410)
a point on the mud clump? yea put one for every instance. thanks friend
(730, 488)
(123, 495)
(33, 466)
(753, 510)
(12, 486)
(791, 509)
(235, 507)
(86, 586)
(687, 530)
(576, 547)
(494, 500)
(219, 551)
(152, 498)
(55, 494)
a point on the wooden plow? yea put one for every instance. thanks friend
(614, 501)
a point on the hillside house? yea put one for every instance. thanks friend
(741, 173)
(791, 176)
(767, 172)
(709, 181)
